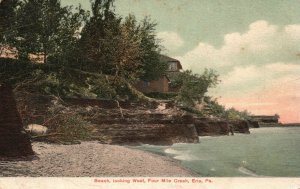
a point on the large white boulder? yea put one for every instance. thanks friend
(36, 129)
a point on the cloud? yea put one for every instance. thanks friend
(246, 80)
(170, 40)
(258, 68)
(263, 43)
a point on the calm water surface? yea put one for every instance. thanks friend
(265, 152)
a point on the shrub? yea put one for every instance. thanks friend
(68, 128)
(194, 86)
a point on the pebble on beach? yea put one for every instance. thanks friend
(91, 159)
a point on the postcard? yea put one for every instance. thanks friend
(149, 94)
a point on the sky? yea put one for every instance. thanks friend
(253, 45)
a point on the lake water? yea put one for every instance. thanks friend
(265, 152)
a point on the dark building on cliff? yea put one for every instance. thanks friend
(163, 84)
(14, 141)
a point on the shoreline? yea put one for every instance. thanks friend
(92, 159)
(168, 158)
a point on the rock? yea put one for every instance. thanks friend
(161, 106)
(240, 126)
(253, 124)
(211, 127)
(142, 127)
(187, 118)
(36, 129)
(156, 133)
(89, 108)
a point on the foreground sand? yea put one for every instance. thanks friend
(92, 159)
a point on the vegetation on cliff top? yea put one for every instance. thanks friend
(220, 111)
(62, 81)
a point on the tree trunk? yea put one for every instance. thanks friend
(116, 74)
(1, 50)
(45, 56)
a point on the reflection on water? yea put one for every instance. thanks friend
(265, 152)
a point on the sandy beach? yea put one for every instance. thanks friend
(91, 159)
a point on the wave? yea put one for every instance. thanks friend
(180, 155)
(246, 171)
(172, 151)
(207, 137)
(185, 157)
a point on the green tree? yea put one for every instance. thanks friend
(152, 67)
(141, 49)
(214, 107)
(233, 114)
(99, 38)
(111, 46)
(194, 86)
(128, 53)
(120, 47)
(220, 111)
(69, 34)
(45, 27)
(7, 21)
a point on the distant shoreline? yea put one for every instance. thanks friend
(290, 125)
(279, 125)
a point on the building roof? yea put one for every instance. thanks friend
(168, 59)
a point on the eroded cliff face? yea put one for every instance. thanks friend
(211, 127)
(137, 123)
(115, 122)
(240, 126)
(253, 124)
(214, 127)
(14, 142)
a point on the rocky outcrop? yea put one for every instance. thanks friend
(290, 125)
(240, 126)
(157, 129)
(253, 124)
(123, 122)
(117, 122)
(210, 127)
(136, 124)
(261, 124)
(214, 127)
(14, 141)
